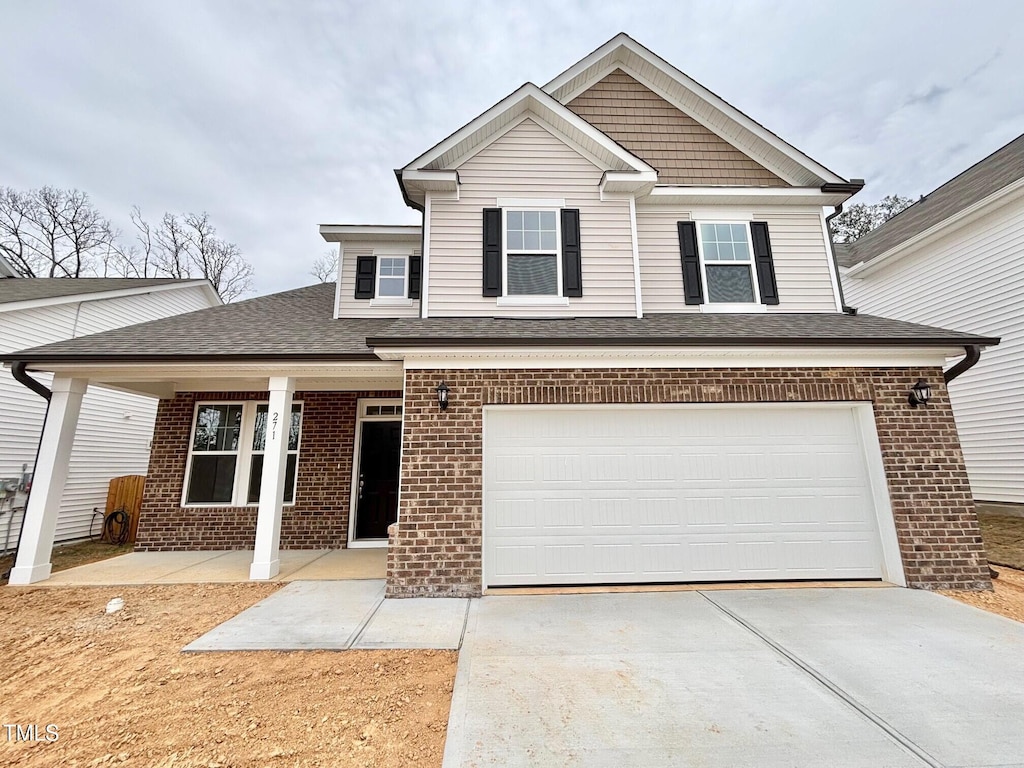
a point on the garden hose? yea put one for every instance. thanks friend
(117, 526)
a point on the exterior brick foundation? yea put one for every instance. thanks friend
(436, 547)
(317, 520)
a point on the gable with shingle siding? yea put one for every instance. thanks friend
(683, 150)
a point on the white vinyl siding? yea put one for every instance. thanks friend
(971, 279)
(114, 428)
(348, 305)
(799, 255)
(529, 162)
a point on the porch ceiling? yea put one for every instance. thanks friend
(165, 379)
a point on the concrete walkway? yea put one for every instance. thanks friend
(222, 567)
(845, 678)
(337, 615)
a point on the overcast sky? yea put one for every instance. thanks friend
(278, 117)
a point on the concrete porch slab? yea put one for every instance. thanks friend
(305, 615)
(419, 622)
(222, 566)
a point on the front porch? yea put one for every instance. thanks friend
(261, 471)
(223, 567)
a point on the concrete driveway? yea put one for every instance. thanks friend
(804, 677)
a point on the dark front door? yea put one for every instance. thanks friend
(380, 443)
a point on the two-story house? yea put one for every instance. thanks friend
(613, 352)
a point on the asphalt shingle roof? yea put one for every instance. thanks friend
(35, 288)
(1001, 168)
(690, 329)
(296, 324)
(299, 325)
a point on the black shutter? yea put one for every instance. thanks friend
(763, 263)
(415, 276)
(572, 265)
(492, 252)
(692, 290)
(366, 271)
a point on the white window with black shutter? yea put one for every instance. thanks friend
(727, 265)
(531, 254)
(388, 277)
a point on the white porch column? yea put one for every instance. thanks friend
(50, 475)
(266, 561)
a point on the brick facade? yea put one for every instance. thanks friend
(436, 546)
(319, 517)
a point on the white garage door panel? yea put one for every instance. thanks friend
(604, 495)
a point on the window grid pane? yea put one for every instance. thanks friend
(531, 231)
(217, 428)
(725, 242)
(259, 437)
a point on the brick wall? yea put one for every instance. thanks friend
(436, 546)
(319, 517)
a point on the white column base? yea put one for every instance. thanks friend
(262, 571)
(29, 574)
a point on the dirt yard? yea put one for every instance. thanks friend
(120, 692)
(1004, 538)
(1007, 597)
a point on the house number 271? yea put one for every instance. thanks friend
(273, 423)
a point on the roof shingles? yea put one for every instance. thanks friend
(1000, 169)
(299, 325)
(36, 288)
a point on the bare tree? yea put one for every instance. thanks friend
(51, 232)
(325, 268)
(859, 219)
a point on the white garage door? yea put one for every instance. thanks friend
(598, 495)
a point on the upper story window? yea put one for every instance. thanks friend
(389, 277)
(392, 276)
(531, 253)
(728, 263)
(727, 266)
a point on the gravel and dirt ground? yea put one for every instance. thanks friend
(120, 692)
(1004, 538)
(1007, 597)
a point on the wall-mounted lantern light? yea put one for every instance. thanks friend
(920, 394)
(442, 396)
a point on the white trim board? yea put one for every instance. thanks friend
(114, 294)
(469, 358)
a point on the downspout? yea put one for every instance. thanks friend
(853, 187)
(21, 376)
(970, 360)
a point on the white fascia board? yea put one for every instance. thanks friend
(960, 218)
(528, 98)
(115, 294)
(669, 357)
(341, 233)
(171, 372)
(682, 195)
(613, 50)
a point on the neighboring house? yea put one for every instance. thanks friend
(614, 352)
(956, 259)
(115, 427)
